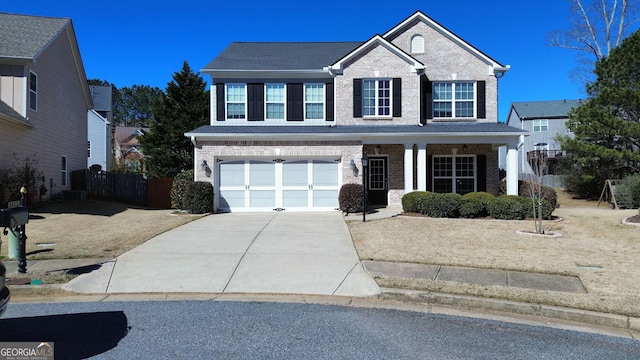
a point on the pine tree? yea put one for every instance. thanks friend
(183, 107)
(606, 144)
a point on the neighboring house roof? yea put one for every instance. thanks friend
(555, 109)
(274, 56)
(24, 37)
(437, 129)
(127, 135)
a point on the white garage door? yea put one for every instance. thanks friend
(268, 185)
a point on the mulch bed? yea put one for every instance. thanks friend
(634, 219)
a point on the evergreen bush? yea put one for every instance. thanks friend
(628, 192)
(179, 189)
(440, 205)
(508, 207)
(474, 205)
(350, 198)
(410, 201)
(198, 198)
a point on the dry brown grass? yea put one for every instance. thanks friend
(92, 229)
(594, 246)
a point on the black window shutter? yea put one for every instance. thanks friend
(357, 98)
(397, 97)
(426, 109)
(255, 102)
(482, 101)
(429, 172)
(220, 113)
(329, 101)
(481, 177)
(295, 103)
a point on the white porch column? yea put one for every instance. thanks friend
(408, 168)
(512, 170)
(422, 167)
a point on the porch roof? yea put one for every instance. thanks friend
(462, 131)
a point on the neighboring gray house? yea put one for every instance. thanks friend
(544, 120)
(100, 134)
(290, 122)
(44, 97)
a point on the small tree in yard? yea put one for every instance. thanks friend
(539, 165)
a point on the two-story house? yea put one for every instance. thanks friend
(544, 120)
(290, 122)
(44, 97)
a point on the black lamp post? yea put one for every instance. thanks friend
(365, 164)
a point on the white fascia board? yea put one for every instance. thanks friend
(338, 66)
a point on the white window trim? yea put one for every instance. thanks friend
(30, 91)
(540, 123)
(227, 102)
(323, 102)
(283, 102)
(453, 176)
(376, 116)
(453, 100)
(417, 47)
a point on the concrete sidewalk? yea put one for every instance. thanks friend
(281, 253)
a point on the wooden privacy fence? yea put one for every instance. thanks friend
(126, 188)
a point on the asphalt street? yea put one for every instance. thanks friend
(267, 330)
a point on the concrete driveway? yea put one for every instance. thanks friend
(280, 252)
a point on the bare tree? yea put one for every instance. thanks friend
(596, 27)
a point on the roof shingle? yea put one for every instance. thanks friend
(24, 36)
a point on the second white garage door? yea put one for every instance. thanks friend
(268, 185)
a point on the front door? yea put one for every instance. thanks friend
(378, 181)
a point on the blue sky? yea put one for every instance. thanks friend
(145, 42)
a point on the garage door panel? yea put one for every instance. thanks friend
(295, 198)
(325, 173)
(262, 199)
(295, 173)
(325, 198)
(232, 199)
(232, 173)
(262, 173)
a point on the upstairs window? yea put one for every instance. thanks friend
(417, 44)
(540, 125)
(236, 101)
(376, 97)
(275, 101)
(33, 91)
(453, 100)
(313, 101)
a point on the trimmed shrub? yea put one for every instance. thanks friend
(441, 205)
(410, 201)
(508, 207)
(198, 198)
(179, 189)
(628, 192)
(350, 198)
(474, 204)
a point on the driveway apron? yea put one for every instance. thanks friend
(280, 252)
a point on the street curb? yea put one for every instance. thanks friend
(514, 307)
(628, 323)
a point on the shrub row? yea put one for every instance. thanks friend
(628, 192)
(350, 198)
(473, 205)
